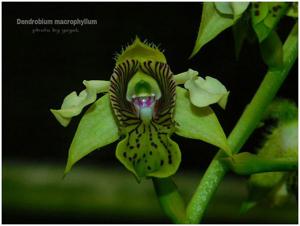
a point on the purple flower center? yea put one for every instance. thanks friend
(143, 101)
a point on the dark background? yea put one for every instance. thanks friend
(39, 70)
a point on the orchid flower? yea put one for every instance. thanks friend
(142, 107)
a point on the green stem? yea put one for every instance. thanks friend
(243, 129)
(170, 199)
(246, 164)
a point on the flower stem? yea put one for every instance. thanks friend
(243, 129)
(170, 199)
(246, 163)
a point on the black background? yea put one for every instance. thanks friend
(39, 70)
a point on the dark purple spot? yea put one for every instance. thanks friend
(153, 144)
(275, 8)
(170, 159)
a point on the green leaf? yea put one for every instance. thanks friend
(212, 24)
(204, 92)
(96, 129)
(246, 163)
(271, 50)
(73, 103)
(198, 123)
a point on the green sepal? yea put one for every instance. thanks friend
(212, 23)
(234, 9)
(293, 10)
(73, 103)
(198, 123)
(265, 17)
(259, 11)
(271, 50)
(96, 129)
(141, 51)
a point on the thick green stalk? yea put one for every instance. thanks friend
(170, 199)
(246, 163)
(243, 129)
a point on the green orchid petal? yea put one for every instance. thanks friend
(204, 92)
(73, 104)
(234, 9)
(212, 23)
(198, 123)
(185, 76)
(259, 12)
(96, 129)
(293, 10)
(265, 17)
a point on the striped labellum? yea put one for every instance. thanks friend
(143, 94)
